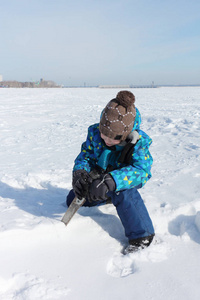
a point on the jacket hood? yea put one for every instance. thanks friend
(138, 120)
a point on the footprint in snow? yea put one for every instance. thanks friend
(120, 266)
(123, 265)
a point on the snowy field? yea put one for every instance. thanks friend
(41, 131)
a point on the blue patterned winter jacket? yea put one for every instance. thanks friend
(136, 174)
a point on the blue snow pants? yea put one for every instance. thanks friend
(131, 211)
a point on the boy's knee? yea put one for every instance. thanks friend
(125, 196)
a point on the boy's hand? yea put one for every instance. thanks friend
(99, 188)
(80, 183)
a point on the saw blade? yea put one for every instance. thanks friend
(72, 209)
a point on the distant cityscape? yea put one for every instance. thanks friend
(51, 84)
(28, 84)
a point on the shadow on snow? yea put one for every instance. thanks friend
(49, 201)
(186, 224)
(108, 222)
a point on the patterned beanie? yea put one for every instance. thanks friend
(118, 116)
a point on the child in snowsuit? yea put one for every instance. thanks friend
(113, 164)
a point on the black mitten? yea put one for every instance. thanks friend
(99, 187)
(80, 182)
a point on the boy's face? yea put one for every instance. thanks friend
(109, 142)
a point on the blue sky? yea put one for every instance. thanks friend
(101, 42)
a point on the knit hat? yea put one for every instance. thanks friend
(118, 116)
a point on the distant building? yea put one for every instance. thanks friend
(1, 78)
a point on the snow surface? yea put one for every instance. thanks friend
(41, 134)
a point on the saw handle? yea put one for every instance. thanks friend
(79, 201)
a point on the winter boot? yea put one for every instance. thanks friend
(138, 244)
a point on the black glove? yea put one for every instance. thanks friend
(99, 187)
(80, 182)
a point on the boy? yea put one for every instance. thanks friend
(113, 164)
